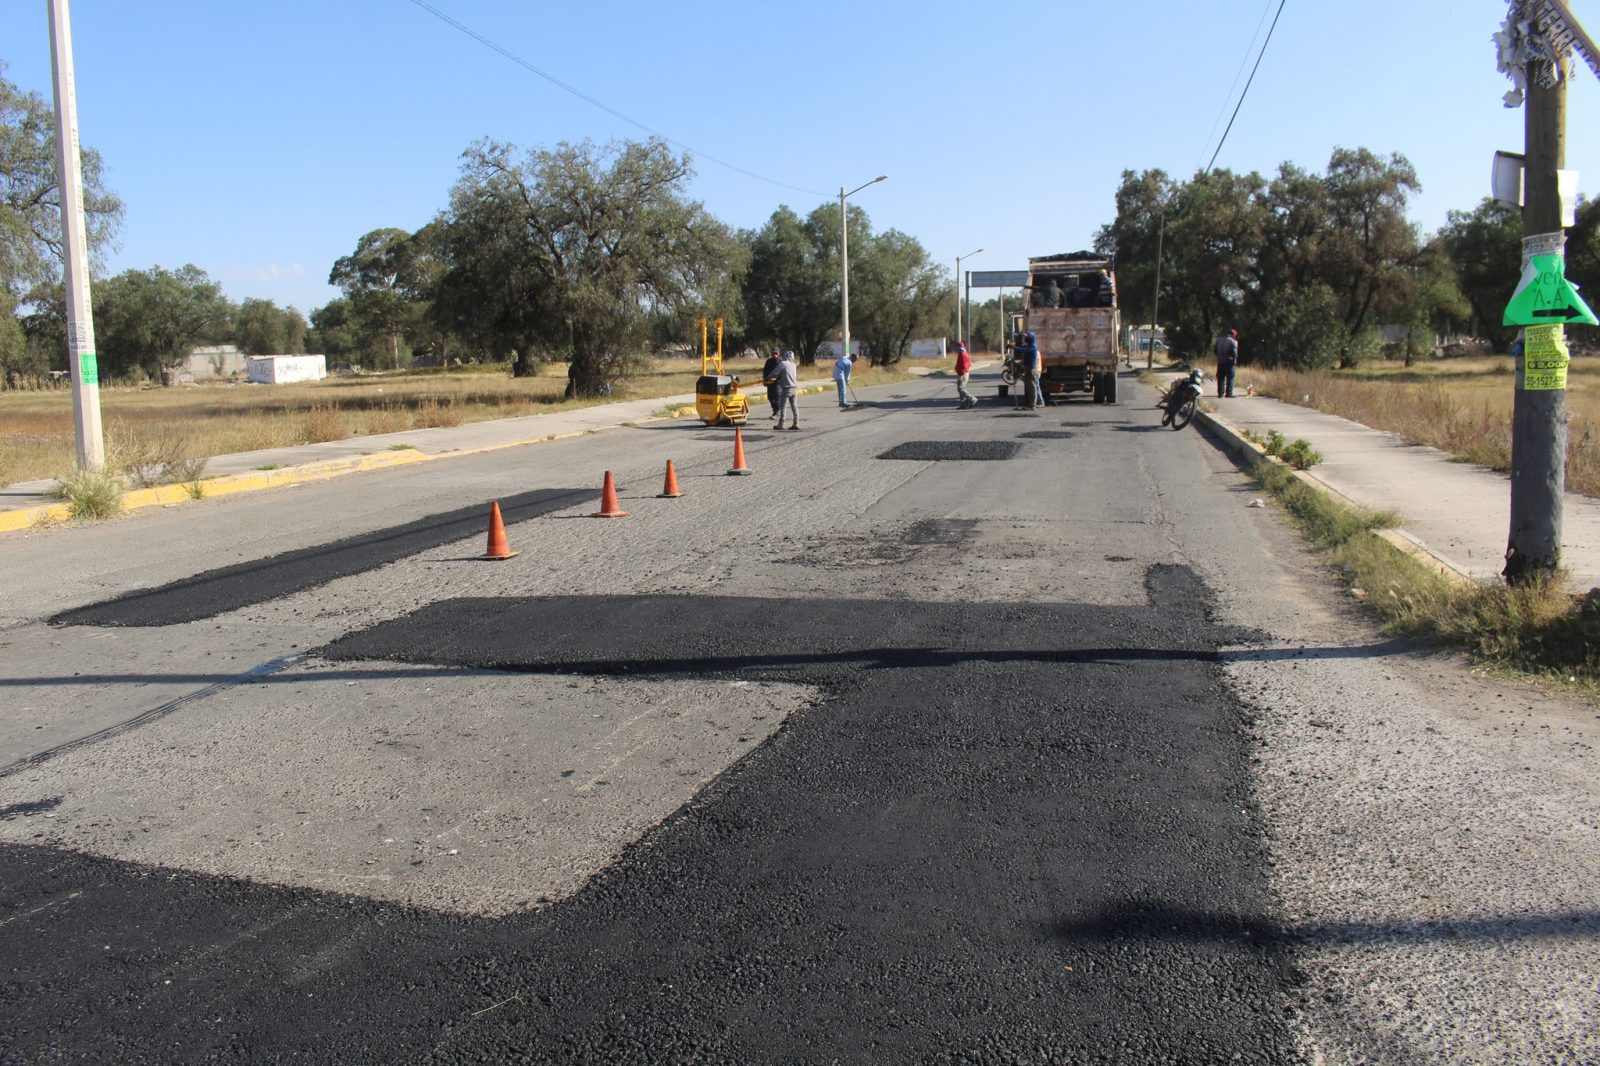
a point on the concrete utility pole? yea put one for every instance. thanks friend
(1155, 303)
(75, 248)
(1539, 416)
(844, 259)
(969, 255)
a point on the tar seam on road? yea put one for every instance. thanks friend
(152, 715)
(229, 588)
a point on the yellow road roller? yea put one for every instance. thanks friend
(717, 399)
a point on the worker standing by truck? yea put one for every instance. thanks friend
(1033, 362)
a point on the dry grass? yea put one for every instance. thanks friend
(36, 434)
(1540, 629)
(1460, 406)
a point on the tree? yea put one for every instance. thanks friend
(902, 294)
(571, 249)
(381, 280)
(1484, 246)
(791, 289)
(150, 319)
(261, 327)
(334, 333)
(1306, 265)
(30, 201)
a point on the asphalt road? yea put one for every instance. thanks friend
(944, 736)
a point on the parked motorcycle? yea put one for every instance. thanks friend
(1012, 369)
(1178, 403)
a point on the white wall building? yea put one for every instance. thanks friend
(284, 369)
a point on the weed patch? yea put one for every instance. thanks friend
(1538, 629)
(91, 493)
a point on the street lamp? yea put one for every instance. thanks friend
(844, 255)
(969, 255)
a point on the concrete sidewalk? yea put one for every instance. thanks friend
(1460, 514)
(27, 503)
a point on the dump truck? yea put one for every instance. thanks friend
(1071, 310)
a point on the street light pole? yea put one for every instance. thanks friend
(969, 255)
(844, 257)
(81, 360)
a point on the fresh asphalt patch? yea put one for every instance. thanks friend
(1007, 832)
(1046, 434)
(934, 451)
(229, 588)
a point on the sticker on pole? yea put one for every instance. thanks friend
(1545, 297)
(1544, 359)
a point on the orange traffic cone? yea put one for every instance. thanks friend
(670, 490)
(609, 507)
(498, 546)
(738, 453)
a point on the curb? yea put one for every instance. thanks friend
(255, 480)
(1235, 441)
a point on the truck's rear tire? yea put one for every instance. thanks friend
(1111, 387)
(1099, 388)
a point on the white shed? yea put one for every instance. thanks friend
(283, 369)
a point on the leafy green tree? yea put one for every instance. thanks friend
(1306, 265)
(335, 334)
(151, 319)
(901, 294)
(30, 200)
(385, 285)
(569, 250)
(1484, 246)
(1143, 201)
(791, 289)
(261, 327)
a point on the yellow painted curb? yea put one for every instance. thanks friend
(28, 517)
(255, 480)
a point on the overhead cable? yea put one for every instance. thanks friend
(607, 108)
(1247, 85)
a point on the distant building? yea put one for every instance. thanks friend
(927, 348)
(285, 369)
(214, 361)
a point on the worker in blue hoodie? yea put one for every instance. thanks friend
(841, 375)
(1033, 363)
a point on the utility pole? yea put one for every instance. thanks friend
(75, 248)
(1155, 303)
(1539, 416)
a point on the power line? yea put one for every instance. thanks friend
(1244, 59)
(1247, 85)
(607, 108)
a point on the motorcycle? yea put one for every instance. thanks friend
(1011, 370)
(1178, 403)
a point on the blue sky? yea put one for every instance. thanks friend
(260, 141)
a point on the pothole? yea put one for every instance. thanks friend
(937, 451)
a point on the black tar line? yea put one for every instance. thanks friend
(955, 856)
(155, 714)
(245, 584)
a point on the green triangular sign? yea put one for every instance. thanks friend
(1545, 297)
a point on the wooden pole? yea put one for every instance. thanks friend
(1539, 416)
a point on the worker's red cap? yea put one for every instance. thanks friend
(1233, 333)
